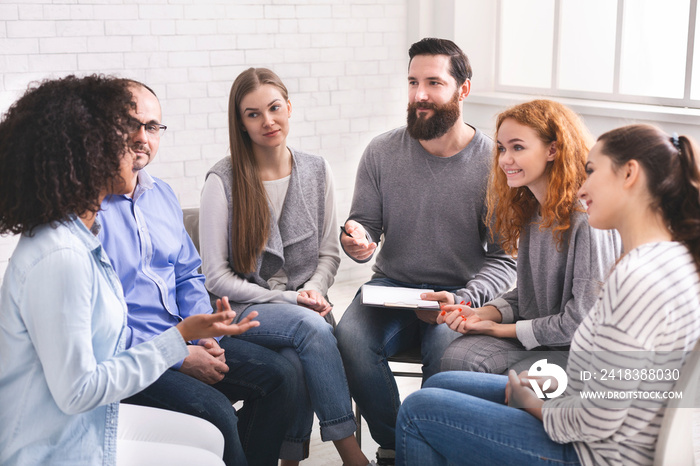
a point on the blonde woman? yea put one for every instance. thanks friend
(268, 242)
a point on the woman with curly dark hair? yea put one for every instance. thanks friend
(63, 370)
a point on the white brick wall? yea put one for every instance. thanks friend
(344, 62)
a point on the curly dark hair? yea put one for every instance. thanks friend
(60, 148)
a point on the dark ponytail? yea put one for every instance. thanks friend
(671, 166)
(685, 218)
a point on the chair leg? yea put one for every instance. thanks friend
(358, 420)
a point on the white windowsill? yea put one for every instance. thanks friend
(660, 113)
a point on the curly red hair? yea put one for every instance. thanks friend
(511, 209)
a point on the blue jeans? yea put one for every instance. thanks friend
(366, 337)
(324, 389)
(461, 418)
(258, 376)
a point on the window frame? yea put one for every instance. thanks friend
(615, 95)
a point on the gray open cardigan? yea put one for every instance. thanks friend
(294, 241)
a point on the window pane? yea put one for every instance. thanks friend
(526, 35)
(695, 83)
(654, 44)
(587, 45)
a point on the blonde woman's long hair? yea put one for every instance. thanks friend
(250, 226)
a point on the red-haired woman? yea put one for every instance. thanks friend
(562, 262)
(637, 338)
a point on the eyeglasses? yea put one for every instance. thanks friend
(152, 129)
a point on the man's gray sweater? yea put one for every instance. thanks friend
(428, 213)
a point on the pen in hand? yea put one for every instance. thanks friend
(358, 247)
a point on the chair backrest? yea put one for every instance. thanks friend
(675, 442)
(190, 217)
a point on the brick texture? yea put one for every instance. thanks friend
(344, 62)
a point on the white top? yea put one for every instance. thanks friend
(276, 192)
(214, 241)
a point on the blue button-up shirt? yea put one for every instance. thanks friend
(154, 257)
(63, 367)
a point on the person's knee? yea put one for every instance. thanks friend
(314, 329)
(465, 354)
(461, 362)
(354, 349)
(467, 362)
(416, 404)
(436, 380)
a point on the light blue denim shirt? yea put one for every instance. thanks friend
(63, 367)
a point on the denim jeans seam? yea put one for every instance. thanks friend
(386, 369)
(340, 420)
(470, 431)
(246, 437)
(349, 424)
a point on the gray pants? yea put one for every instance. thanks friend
(482, 353)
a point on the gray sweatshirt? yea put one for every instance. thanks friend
(557, 288)
(428, 212)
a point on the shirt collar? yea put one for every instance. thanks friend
(88, 238)
(144, 183)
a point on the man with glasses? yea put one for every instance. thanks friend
(157, 263)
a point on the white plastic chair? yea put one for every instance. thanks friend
(675, 443)
(147, 436)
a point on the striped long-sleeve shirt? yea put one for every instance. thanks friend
(646, 318)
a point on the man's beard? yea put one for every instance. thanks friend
(427, 128)
(140, 164)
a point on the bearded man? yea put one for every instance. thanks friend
(420, 190)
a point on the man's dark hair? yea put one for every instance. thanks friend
(139, 83)
(60, 148)
(460, 68)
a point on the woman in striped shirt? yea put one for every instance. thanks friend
(626, 354)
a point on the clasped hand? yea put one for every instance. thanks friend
(467, 320)
(206, 361)
(314, 301)
(463, 319)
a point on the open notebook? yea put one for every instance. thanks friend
(396, 297)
